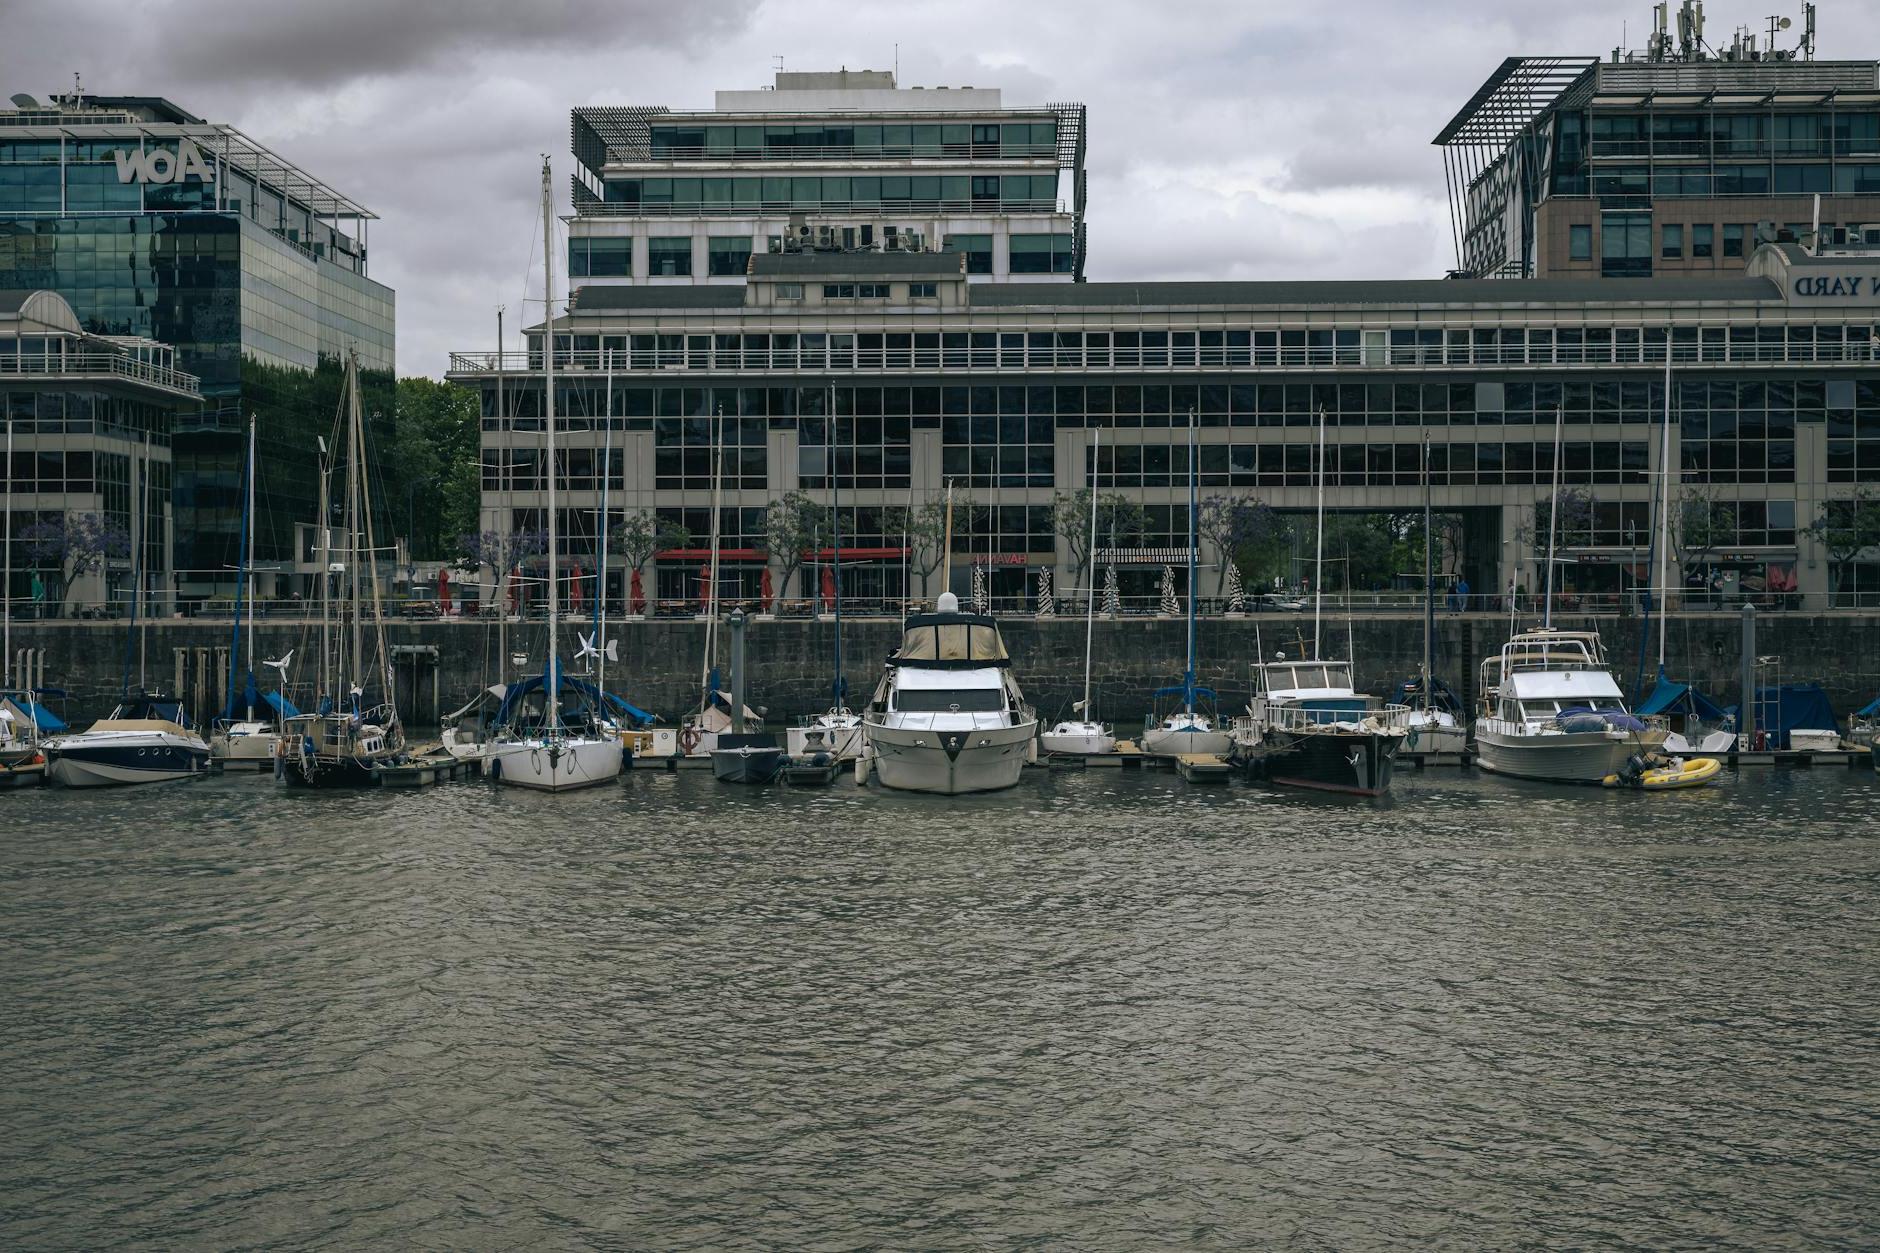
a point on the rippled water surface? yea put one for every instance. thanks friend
(1105, 1010)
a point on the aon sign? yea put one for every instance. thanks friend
(160, 165)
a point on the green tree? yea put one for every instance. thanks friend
(436, 432)
(1120, 520)
(643, 533)
(1845, 528)
(795, 526)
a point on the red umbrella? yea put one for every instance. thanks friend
(574, 588)
(443, 592)
(829, 586)
(636, 596)
(765, 593)
(704, 586)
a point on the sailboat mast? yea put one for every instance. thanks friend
(1188, 675)
(137, 565)
(711, 592)
(248, 580)
(1318, 559)
(551, 683)
(350, 673)
(835, 487)
(509, 500)
(325, 536)
(241, 578)
(1661, 597)
(1090, 595)
(6, 557)
(946, 556)
(600, 573)
(1553, 522)
(1429, 579)
(370, 548)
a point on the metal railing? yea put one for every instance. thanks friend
(1305, 719)
(835, 152)
(783, 208)
(118, 365)
(933, 358)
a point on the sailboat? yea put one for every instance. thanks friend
(19, 720)
(1188, 730)
(147, 738)
(1694, 723)
(835, 734)
(1434, 728)
(242, 739)
(343, 741)
(1084, 736)
(553, 754)
(1550, 706)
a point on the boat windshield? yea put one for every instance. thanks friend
(940, 700)
(952, 641)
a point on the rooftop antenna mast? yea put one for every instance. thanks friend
(78, 89)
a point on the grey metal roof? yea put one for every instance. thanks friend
(1339, 292)
(605, 297)
(868, 264)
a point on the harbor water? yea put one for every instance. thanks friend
(1105, 1010)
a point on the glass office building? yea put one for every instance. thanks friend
(838, 160)
(896, 376)
(1676, 159)
(152, 222)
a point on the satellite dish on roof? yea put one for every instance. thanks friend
(23, 101)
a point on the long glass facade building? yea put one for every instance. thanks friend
(152, 222)
(896, 376)
(839, 160)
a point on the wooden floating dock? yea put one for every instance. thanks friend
(1203, 768)
(429, 766)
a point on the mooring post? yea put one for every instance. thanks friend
(736, 621)
(1746, 717)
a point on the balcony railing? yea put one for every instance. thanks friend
(928, 358)
(842, 152)
(117, 365)
(783, 208)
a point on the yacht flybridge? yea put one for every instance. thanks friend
(1552, 710)
(948, 716)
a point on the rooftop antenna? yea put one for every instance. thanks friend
(78, 91)
(897, 64)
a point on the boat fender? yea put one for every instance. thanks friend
(496, 767)
(688, 740)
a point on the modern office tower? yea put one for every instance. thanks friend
(838, 160)
(1673, 160)
(893, 375)
(152, 222)
(88, 419)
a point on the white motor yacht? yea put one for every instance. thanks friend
(1552, 710)
(948, 716)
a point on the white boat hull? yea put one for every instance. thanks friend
(241, 746)
(844, 743)
(1077, 740)
(950, 761)
(561, 766)
(1178, 741)
(117, 758)
(1560, 757)
(1436, 739)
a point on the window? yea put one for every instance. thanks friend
(871, 291)
(789, 291)
(1042, 254)
(727, 254)
(1580, 243)
(923, 291)
(978, 250)
(1703, 240)
(1733, 239)
(669, 257)
(838, 291)
(600, 258)
(1625, 245)
(1671, 240)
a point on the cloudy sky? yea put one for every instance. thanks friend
(1227, 140)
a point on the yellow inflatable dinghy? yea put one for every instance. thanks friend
(1691, 772)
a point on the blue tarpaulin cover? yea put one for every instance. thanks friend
(1780, 710)
(43, 718)
(1870, 710)
(1669, 696)
(281, 705)
(1585, 718)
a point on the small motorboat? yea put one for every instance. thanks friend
(1666, 776)
(147, 739)
(753, 758)
(1078, 739)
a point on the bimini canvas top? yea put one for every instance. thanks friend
(1574, 685)
(951, 641)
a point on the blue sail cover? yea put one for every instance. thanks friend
(588, 697)
(1870, 710)
(281, 705)
(242, 701)
(43, 718)
(1670, 697)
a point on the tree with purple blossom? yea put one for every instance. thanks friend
(77, 543)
